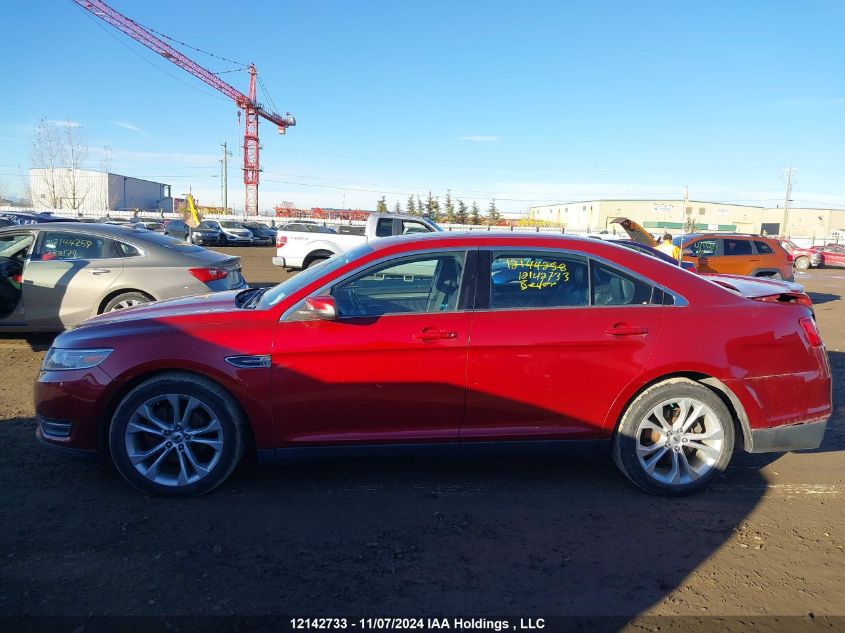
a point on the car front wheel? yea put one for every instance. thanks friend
(802, 263)
(177, 435)
(674, 438)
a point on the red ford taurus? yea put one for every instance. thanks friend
(454, 343)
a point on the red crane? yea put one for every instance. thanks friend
(248, 103)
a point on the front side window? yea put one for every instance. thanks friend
(736, 247)
(419, 284)
(70, 246)
(413, 226)
(538, 280)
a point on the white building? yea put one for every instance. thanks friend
(85, 190)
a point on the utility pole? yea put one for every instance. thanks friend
(788, 174)
(225, 177)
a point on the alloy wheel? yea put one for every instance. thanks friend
(126, 303)
(174, 439)
(679, 441)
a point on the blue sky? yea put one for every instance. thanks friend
(527, 102)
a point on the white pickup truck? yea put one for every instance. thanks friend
(301, 248)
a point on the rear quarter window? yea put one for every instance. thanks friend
(763, 248)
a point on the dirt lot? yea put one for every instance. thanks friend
(521, 537)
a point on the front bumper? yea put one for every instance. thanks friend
(791, 437)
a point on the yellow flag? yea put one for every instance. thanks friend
(190, 215)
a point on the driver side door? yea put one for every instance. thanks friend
(391, 368)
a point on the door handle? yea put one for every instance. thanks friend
(623, 329)
(99, 271)
(431, 334)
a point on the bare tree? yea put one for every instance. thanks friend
(58, 153)
(3, 189)
(46, 157)
(74, 153)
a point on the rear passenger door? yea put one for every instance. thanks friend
(67, 277)
(555, 338)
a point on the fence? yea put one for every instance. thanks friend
(836, 237)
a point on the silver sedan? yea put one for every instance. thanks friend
(53, 276)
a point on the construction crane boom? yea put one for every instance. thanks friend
(247, 102)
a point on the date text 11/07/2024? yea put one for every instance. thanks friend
(419, 624)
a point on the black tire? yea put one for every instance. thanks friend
(126, 300)
(802, 262)
(314, 261)
(629, 436)
(187, 386)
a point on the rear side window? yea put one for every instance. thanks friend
(538, 280)
(763, 248)
(70, 246)
(384, 227)
(127, 250)
(612, 287)
(704, 248)
(736, 247)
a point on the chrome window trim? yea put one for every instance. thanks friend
(323, 289)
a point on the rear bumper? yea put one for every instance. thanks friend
(279, 261)
(792, 437)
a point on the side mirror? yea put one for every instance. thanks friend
(322, 307)
(687, 252)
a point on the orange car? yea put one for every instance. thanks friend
(726, 253)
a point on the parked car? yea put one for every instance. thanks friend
(207, 234)
(831, 255)
(301, 248)
(231, 233)
(178, 229)
(370, 353)
(156, 227)
(262, 235)
(59, 274)
(34, 217)
(308, 227)
(802, 258)
(729, 253)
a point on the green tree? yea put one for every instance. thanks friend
(432, 208)
(381, 205)
(449, 208)
(475, 215)
(493, 215)
(420, 209)
(410, 207)
(462, 216)
(397, 208)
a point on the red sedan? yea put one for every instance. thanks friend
(831, 255)
(454, 343)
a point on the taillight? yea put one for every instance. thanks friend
(800, 298)
(281, 240)
(208, 274)
(808, 324)
(18, 279)
(789, 257)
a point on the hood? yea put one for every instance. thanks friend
(754, 286)
(635, 231)
(215, 302)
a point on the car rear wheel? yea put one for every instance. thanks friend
(315, 261)
(674, 438)
(177, 435)
(802, 263)
(126, 300)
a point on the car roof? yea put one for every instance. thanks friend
(478, 238)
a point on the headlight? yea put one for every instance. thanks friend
(61, 359)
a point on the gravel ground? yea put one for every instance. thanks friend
(523, 537)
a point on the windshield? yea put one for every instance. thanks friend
(230, 225)
(312, 273)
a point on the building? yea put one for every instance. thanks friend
(658, 216)
(86, 190)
